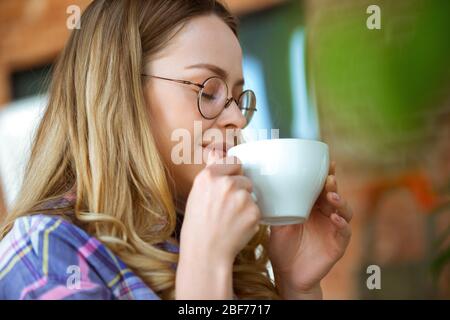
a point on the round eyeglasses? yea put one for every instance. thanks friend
(212, 98)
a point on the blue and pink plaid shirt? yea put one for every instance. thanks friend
(47, 257)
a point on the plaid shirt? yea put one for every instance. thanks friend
(47, 257)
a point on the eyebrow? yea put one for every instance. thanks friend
(217, 70)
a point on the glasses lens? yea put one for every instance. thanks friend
(247, 104)
(213, 97)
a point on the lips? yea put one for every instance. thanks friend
(220, 147)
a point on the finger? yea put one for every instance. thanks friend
(343, 228)
(330, 185)
(224, 166)
(332, 170)
(242, 182)
(323, 203)
(340, 205)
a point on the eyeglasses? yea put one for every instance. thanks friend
(212, 97)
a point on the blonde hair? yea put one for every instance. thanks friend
(96, 139)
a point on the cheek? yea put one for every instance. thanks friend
(175, 118)
(169, 111)
(180, 148)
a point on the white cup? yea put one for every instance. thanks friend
(287, 174)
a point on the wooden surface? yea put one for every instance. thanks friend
(33, 32)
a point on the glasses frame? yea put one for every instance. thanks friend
(199, 95)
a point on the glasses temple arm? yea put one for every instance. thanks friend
(175, 80)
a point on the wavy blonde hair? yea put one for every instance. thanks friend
(95, 139)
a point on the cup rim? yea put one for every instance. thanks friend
(284, 139)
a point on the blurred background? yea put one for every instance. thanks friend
(379, 97)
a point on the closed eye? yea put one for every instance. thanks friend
(208, 96)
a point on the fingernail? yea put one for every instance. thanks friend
(335, 196)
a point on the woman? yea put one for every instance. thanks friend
(106, 213)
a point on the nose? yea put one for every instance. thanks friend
(231, 116)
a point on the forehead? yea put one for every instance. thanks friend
(204, 39)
